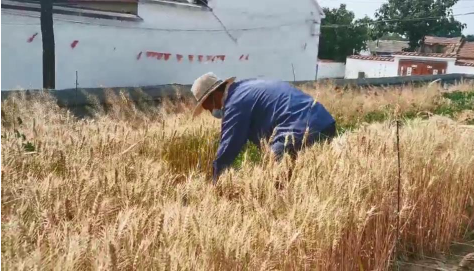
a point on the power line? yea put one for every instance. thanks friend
(154, 28)
(219, 20)
(237, 29)
(395, 20)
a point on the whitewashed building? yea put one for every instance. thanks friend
(437, 56)
(126, 43)
(330, 69)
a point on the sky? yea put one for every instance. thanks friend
(368, 7)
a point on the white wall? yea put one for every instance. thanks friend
(374, 69)
(331, 70)
(371, 68)
(107, 52)
(452, 68)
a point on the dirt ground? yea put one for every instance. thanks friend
(452, 261)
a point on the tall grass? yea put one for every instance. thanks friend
(129, 190)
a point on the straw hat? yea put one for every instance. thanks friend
(204, 86)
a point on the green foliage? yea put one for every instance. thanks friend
(403, 17)
(250, 153)
(455, 103)
(392, 36)
(469, 38)
(458, 102)
(376, 116)
(191, 152)
(27, 145)
(350, 37)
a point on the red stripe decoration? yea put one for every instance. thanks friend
(244, 57)
(180, 57)
(211, 58)
(30, 39)
(74, 43)
(152, 54)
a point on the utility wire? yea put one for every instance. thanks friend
(434, 18)
(219, 20)
(236, 29)
(132, 26)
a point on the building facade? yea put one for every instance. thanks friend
(435, 56)
(165, 42)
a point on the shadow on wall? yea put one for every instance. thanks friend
(80, 101)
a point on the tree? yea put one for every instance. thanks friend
(341, 35)
(415, 19)
(392, 36)
(469, 38)
(47, 33)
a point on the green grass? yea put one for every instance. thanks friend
(457, 103)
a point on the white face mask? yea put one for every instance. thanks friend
(216, 113)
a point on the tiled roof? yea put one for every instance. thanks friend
(430, 40)
(387, 46)
(451, 44)
(465, 62)
(467, 50)
(426, 54)
(375, 58)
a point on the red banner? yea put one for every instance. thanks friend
(30, 39)
(179, 57)
(74, 43)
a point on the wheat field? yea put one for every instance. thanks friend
(129, 189)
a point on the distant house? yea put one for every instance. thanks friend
(440, 45)
(466, 55)
(132, 43)
(384, 47)
(330, 69)
(436, 55)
